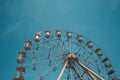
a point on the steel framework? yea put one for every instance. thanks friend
(62, 55)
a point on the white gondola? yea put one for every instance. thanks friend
(47, 34)
(89, 44)
(28, 44)
(79, 38)
(37, 37)
(58, 33)
(69, 34)
(20, 69)
(98, 51)
(21, 56)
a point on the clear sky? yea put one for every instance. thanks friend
(99, 20)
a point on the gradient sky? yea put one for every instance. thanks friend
(99, 20)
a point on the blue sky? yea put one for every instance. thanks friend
(99, 20)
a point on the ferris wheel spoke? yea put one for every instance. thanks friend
(51, 41)
(61, 42)
(79, 69)
(74, 46)
(64, 44)
(69, 45)
(88, 57)
(94, 60)
(51, 69)
(45, 45)
(53, 48)
(44, 60)
(80, 48)
(36, 75)
(75, 77)
(81, 57)
(56, 56)
(55, 42)
(50, 51)
(52, 62)
(69, 76)
(72, 73)
(76, 71)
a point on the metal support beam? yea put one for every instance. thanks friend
(61, 73)
(89, 71)
(76, 72)
(91, 75)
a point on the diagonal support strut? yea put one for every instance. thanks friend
(92, 74)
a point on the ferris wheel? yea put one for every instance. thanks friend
(62, 55)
